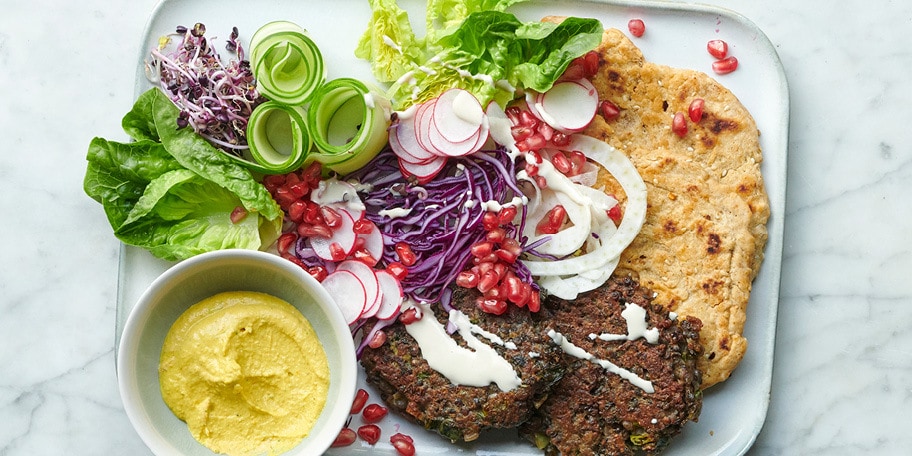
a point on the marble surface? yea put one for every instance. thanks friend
(842, 381)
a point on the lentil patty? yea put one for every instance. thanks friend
(594, 412)
(460, 413)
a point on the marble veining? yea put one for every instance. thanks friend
(842, 381)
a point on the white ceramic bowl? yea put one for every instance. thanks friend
(192, 280)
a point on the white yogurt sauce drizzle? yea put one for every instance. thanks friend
(479, 365)
(636, 328)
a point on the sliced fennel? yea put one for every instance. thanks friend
(609, 247)
(278, 137)
(349, 123)
(287, 64)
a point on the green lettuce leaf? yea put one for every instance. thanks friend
(389, 43)
(175, 197)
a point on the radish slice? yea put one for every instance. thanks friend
(368, 278)
(348, 292)
(462, 148)
(373, 242)
(339, 195)
(343, 235)
(423, 172)
(569, 106)
(391, 295)
(406, 142)
(457, 115)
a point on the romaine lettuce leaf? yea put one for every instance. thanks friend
(175, 197)
(389, 43)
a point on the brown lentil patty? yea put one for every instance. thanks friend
(460, 413)
(594, 412)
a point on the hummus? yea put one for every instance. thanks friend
(246, 372)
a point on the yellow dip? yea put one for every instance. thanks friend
(246, 372)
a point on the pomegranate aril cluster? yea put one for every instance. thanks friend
(369, 431)
(492, 271)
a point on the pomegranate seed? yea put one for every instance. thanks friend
(489, 258)
(527, 119)
(725, 66)
(513, 287)
(511, 245)
(541, 181)
(374, 413)
(317, 272)
(345, 438)
(575, 70)
(577, 162)
(482, 268)
(337, 252)
(398, 270)
(283, 197)
(363, 226)
(370, 433)
(561, 163)
(553, 221)
(377, 340)
(409, 316)
(492, 306)
(489, 221)
(238, 214)
(364, 256)
(591, 63)
(299, 189)
(615, 214)
(506, 215)
(717, 48)
(312, 174)
(361, 397)
(609, 110)
(695, 111)
(536, 157)
(488, 281)
(406, 256)
(481, 249)
(679, 125)
(500, 269)
(513, 113)
(295, 260)
(520, 132)
(497, 235)
(273, 181)
(296, 211)
(546, 131)
(467, 279)
(534, 301)
(637, 27)
(506, 255)
(331, 217)
(312, 213)
(285, 242)
(307, 230)
(531, 170)
(403, 444)
(560, 139)
(534, 142)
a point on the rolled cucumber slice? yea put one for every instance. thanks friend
(287, 64)
(348, 122)
(278, 137)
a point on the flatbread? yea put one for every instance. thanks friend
(705, 229)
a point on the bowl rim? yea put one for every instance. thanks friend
(128, 381)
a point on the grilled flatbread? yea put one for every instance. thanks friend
(702, 242)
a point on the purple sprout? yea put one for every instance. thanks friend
(215, 99)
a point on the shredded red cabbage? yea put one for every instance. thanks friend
(444, 218)
(215, 99)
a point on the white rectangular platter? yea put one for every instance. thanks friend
(733, 412)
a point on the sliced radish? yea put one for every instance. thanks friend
(339, 195)
(462, 148)
(423, 172)
(368, 278)
(569, 106)
(344, 236)
(406, 142)
(391, 295)
(373, 242)
(457, 115)
(348, 292)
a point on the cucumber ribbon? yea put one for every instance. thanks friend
(287, 64)
(348, 122)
